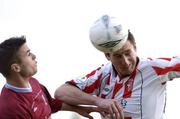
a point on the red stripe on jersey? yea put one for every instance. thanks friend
(93, 72)
(129, 85)
(103, 96)
(93, 86)
(168, 59)
(161, 71)
(108, 79)
(117, 87)
(127, 117)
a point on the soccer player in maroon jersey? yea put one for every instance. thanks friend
(23, 97)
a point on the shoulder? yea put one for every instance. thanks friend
(157, 62)
(32, 79)
(103, 70)
(107, 68)
(34, 82)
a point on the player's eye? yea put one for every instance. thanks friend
(29, 54)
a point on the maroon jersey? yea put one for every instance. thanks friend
(27, 103)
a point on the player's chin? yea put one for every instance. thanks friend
(128, 72)
(35, 71)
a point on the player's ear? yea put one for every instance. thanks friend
(107, 56)
(15, 67)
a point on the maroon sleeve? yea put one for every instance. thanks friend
(55, 104)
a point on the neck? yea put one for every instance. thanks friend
(18, 81)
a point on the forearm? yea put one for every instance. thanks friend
(67, 107)
(74, 96)
(77, 108)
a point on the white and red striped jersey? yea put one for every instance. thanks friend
(142, 94)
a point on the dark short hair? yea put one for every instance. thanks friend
(8, 53)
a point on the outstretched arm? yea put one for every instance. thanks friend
(74, 96)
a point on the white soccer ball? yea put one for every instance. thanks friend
(107, 34)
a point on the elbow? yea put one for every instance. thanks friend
(60, 93)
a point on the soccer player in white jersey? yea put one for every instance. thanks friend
(128, 87)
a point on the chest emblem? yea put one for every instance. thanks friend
(123, 103)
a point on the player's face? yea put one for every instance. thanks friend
(124, 60)
(28, 64)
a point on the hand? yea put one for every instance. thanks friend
(111, 107)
